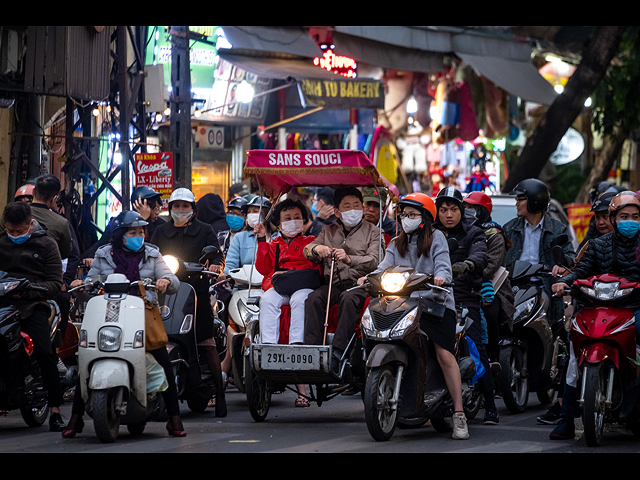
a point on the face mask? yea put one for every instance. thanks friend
(409, 225)
(351, 218)
(235, 222)
(469, 215)
(133, 243)
(314, 209)
(252, 219)
(628, 228)
(20, 239)
(180, 217)
(291, 228)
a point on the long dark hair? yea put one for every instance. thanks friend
(424, 240)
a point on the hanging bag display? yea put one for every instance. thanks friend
(287, 282)
(154, 332)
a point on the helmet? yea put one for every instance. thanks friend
(144, 193)
(601, 204)
(621, 200)
(129, 219)
(537, 194)
(421, 202)
(237, 202)
(24, 190)
(450, 193)
(182, 194)
(479, 198)
(256, 201)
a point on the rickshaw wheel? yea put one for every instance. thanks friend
(258, 393)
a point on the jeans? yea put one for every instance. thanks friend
(270, 305)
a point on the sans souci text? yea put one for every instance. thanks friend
(307, 159)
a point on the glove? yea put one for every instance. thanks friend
(460, 268)
(487, 292)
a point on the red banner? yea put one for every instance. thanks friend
(579, 216)
(155, 170)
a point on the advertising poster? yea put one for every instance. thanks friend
(155, 170)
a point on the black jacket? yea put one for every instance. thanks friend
(187, 242)
(211, 210)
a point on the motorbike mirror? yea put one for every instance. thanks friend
(560, 240)
(559, 258)
(208, 253)
(453, 245)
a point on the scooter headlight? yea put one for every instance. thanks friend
(606, 290)
(393, 282)
(366, 322)
(172, 262)
(524, 309)
(109, 339)
(404, 324)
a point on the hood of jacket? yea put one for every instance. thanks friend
(211, 210)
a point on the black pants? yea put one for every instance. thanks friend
(475, 333)
(170, 395)
(350, 305)
(492, 315)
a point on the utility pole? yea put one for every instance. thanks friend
(180, 128)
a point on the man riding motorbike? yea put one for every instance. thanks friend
(613, 252)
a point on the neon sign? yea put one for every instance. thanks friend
(337, 64)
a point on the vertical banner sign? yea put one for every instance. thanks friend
(155, 170)
(579, 216)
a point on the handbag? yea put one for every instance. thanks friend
(155, 336)
(432, 311)
(287, 282)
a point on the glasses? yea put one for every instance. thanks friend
(412, 215)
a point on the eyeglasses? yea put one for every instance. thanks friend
(412, 215)
(520, 199)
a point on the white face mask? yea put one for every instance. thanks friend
(351, 218)
(411, 224)
(252, 219)
(180, 217)
(291, 228)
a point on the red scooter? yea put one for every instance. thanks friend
(604, 343)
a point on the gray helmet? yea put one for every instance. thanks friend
(129, 219)
(257, 201)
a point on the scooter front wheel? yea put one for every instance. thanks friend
(380, 414)
(513, 379)
(105, 419)
(594, 409)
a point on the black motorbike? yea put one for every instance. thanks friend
(194, 380)
(21, 384)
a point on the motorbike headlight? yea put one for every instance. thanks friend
(524, 309)
(393, 282)
(606, 290)
(402, 325)
(367, 322)
(172, 262)
(8, 286)
(109, 339)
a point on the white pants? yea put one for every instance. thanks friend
(270, 305)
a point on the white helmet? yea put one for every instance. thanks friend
(182, 194)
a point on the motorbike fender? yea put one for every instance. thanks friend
(383, 354)
(109, 373)
(598, 352)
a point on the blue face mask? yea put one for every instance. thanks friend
(133, 243)
(19, 239)
(314, 209)
(628, 228)
(235, 222)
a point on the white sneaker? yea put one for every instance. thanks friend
(460, 430)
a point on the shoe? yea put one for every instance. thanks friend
(552, 417)
(565, 430)
(62, 368)
(491, 418)
(221, 406)
(71, 432)
(460, 430)
(55, 423)
(175, 433)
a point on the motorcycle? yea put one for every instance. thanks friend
(533, 354)
(605, 361)
(21, 384)
(194, 381)
(114, 367)
(405, 386)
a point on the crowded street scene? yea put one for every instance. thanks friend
(319, 239)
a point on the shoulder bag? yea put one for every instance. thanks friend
(154, 332)
(287, 282)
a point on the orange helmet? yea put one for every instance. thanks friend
(623, 199)
(479, 198)
(420, 201)
(24, 190)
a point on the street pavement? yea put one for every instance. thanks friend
(338, 426)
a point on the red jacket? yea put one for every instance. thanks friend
(291, 257)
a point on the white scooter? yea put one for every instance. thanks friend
(242, 309)
(113, 363)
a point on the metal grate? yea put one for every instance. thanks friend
(385, 321)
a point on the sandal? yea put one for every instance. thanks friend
(302, 402)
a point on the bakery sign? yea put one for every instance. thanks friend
(155, 170)
(342, 94)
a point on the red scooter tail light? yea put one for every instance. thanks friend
(28, 343)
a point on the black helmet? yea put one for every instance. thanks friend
(450, 194)
(601, 204)
(237, 202)
(256, 201)
(129, 219)
(144, 193)
(537, 194)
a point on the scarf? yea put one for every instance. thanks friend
(127, 263)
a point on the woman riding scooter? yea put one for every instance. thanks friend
(184, 237)
(425, 249)
(128, 254)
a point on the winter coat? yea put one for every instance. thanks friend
(151, 266)
(291, 257)
(210, 209)
(496, 255)
(38, 260)
(241, 250)
(361, 243)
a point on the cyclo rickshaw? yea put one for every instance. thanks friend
(271, 368)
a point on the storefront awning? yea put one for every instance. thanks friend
(290, 40)
(276, 68)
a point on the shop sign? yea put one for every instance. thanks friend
(342, 94)
(155, 170)
(569, 149)
(579, 217)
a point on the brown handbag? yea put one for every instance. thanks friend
(154, 332)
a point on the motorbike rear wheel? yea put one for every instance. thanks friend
(513, 379)
(594, 409)
(35, 418)
(105, 419)
(380, 416)
(258, 394)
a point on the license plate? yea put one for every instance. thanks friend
(289, 358)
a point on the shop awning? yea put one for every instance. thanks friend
(276, 68)
(290, 40)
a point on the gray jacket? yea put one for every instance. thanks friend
(152, 267)
(437, 263)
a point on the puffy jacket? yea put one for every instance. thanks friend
(241, 250)
(291, 257)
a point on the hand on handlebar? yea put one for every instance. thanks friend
(162, 284)
(438, 281)
(361, 281)
(558, 271)
(559, 288)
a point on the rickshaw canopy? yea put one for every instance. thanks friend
(277, 171)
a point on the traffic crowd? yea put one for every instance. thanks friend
(39, 244)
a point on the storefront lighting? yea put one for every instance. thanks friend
(96, 112)
(167, 112)
(558, 88)
(587, 102)
(245, 92)
(158, 117)
(412, 106)
(197, 113)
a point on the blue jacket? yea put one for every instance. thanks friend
(241, 250)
